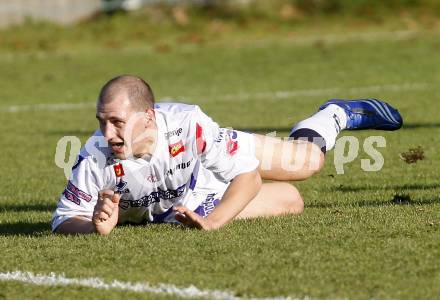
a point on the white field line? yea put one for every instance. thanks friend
(140, 287)
(47, 107)
(287, 94)
(359, 91)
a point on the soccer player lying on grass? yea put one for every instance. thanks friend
(170, 162)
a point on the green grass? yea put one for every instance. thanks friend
(351, 242)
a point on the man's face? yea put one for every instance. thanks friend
(127, 132)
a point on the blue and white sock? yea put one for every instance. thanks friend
(322, 128)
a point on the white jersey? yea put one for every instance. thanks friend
(192, 165)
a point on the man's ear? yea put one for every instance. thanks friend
(151, 116)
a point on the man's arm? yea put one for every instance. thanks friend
(105, 217)
(240, 192)
(76, 225)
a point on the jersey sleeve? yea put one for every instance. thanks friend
(81, 192)
(222, 149)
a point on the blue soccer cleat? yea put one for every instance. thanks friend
(368, 114)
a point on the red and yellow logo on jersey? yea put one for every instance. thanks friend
(119, 170)
(176, 148)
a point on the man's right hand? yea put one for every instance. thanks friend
(105, 215)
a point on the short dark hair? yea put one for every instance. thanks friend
(138, 91)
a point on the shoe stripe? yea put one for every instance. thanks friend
(391, 114)
(379, 109)
(387, 111)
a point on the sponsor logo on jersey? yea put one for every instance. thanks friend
(176, 148)
(119, 170)
(220, 137)
(75, 195)
(152, 178)
(156, 196)
(122, 187)
(232, 143)
(175, 132)
(180, 166)
(207, 206)
(69, 196)
(230, 137)
(200, 142)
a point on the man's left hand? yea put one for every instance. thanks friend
(189, 218)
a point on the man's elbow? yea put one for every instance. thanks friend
(75, 225)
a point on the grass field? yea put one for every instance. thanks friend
(355, 240)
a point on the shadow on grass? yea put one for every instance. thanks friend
(420, 125)
(24, 228)
(378, 203)
(404, 187)
(27, 207)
